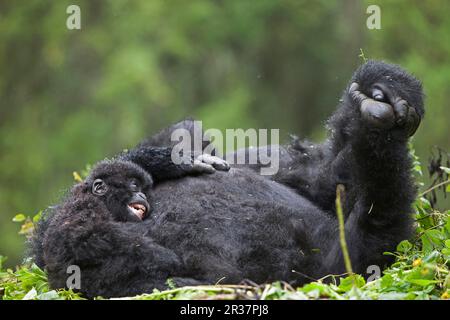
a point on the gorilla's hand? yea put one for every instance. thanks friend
(159, 163)
(206, 163)
(385, 110)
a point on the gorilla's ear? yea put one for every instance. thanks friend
(99, 188)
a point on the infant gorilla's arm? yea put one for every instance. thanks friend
(158, 162)
(154, 155)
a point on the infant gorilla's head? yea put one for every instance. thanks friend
(124, 188)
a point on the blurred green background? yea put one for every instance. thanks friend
(71, 97)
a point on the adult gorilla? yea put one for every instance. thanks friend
(239, 225)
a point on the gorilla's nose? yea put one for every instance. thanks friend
(141, 195)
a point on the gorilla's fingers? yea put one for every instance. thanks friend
(375, 113)
(413, 121)
(353, 87)
(216, 162)
(356, 95)
(406, 116)
(401, 111)
(206, 163)
(201, 167)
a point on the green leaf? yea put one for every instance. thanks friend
(445, 169)
(446, 253)
(425, 203)
(314, 286)
(349, 282)
(396, 296)
(423, 282)
(432, 239)
(432, 256)
(418, 169)
(404, 246)
(427, 245)
(37, 217)
(386, 281)
(19, 218)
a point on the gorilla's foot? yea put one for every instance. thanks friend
(385, 110)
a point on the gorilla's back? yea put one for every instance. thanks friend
(235, 224)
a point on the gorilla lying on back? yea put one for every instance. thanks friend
(239, 225)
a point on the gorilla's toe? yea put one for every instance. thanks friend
(406, 116)
(375, 113)
(383, 111)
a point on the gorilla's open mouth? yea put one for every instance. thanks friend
(139, 209)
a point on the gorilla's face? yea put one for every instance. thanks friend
(124, 188)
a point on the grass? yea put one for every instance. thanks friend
(421, 271)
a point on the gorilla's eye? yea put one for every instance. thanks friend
(99, 187)
(134, 186)
(378, 95)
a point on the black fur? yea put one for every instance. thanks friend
(239, 225)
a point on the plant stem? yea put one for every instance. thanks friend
(348, 264)
(434, 187)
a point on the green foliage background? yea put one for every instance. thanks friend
(71, 97)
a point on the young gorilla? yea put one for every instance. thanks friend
(240, 225)
(88, 230)
(117, 190)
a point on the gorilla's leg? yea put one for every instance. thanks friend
(367, 153)
(381, 109)
(314, 170)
